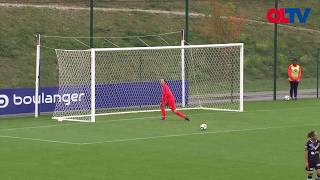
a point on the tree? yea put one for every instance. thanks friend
(223, 24)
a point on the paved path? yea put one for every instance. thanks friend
(268, 95)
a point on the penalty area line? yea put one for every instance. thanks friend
(197, 133)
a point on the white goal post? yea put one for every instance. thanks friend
(104, 81)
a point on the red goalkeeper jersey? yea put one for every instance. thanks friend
(167, 96)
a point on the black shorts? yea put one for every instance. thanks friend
(313, 165)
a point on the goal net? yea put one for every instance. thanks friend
(106, 81)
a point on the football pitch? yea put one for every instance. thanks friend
(264, 142)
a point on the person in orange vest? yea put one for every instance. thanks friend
(295, 74)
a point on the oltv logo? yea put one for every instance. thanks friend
(287, 15)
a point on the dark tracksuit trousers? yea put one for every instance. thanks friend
(294, 89)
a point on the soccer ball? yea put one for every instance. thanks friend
(287, 98)
(203, 127)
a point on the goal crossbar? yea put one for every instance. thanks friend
(158, 47)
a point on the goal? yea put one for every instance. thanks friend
(104, 81)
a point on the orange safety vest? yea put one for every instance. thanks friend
(294, 72)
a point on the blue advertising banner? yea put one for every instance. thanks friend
(136, 94)
(21, 100)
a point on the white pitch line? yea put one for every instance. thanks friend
(157, 137)
(197, 133)
(41, 140)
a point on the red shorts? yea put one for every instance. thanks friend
(171, 105)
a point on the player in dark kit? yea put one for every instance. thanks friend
(311, 154)
(168, 99)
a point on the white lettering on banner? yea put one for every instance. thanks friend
(27, 100)
(17, 100)
(56, 98)
(66, 99)
(42, 99)
(48, 99)
(4, 101)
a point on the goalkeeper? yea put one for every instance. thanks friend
(169, 100)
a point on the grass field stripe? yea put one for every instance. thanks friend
(198, 133)
(41, 140)
(148, 117)
(75, 123)
(34, 127)
(143, 118)
(85, 123)
(157, 137)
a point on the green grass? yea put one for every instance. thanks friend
(265, 142)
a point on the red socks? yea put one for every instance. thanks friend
(180, 114)
(163, 112)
